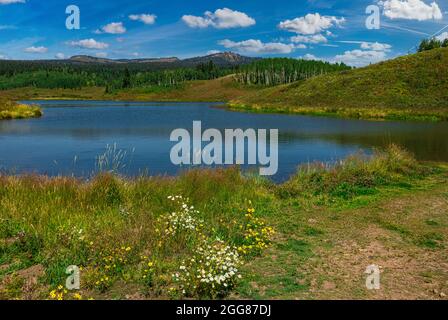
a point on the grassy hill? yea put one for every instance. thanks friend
(409, 87)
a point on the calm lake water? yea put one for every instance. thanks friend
(71, 134)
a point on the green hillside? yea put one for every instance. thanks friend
(409, 87)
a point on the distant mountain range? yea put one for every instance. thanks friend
(221, 59)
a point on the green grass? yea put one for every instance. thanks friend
(412, 87)
(113, 226)
(9, 110)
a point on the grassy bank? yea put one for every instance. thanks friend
(412, 87)
(9, 110)
(390, 114)
(218, 90)
(142, 239)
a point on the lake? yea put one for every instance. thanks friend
(71, 134)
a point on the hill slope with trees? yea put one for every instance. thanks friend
(409, 87)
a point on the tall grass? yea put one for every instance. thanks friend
(114, 226)
(358, 174)
(113, 160)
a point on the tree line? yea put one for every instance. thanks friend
(433, 43)
(49, 75)
(276, 71)
(116, 76)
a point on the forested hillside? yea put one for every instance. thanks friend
(271, 72)
(18, 74)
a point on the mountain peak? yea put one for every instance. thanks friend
(219, 58)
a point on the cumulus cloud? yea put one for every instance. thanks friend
(145, 18)
(113, 28)
(411, 10)
(221, 19)
(59, 56)
(359, 58)
(317, 38)
(311, 24)
(2, 2)
(210, 52)
(376, 46)
(442, 36)
(256, 46)
(36, 50)
(89, 44)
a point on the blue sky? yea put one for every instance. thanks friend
(320, 29)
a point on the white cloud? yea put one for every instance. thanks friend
(113, 28)
(89, 44)
(101, 54)
(36, 50)
(317, 38)
(309, 56)
(221, 19)
(256, 46)
(310, 24)
(376, 46)
(213, 52)
(359, 58)
(411, 10)
(59, 56)
(145, 18)
(442, 36)
(3, 57)
(2, 2)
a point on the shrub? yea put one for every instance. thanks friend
(105, 191)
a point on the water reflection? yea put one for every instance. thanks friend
(81, 129)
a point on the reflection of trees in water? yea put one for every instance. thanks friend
(424, 146)
(429, 145)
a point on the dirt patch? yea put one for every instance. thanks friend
(408, 271)
(32, 274)
(4, 267)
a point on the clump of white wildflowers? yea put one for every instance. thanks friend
(180, 220)
(212, 271)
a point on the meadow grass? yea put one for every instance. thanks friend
(136, 238)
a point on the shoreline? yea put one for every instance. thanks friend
(369, 114)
